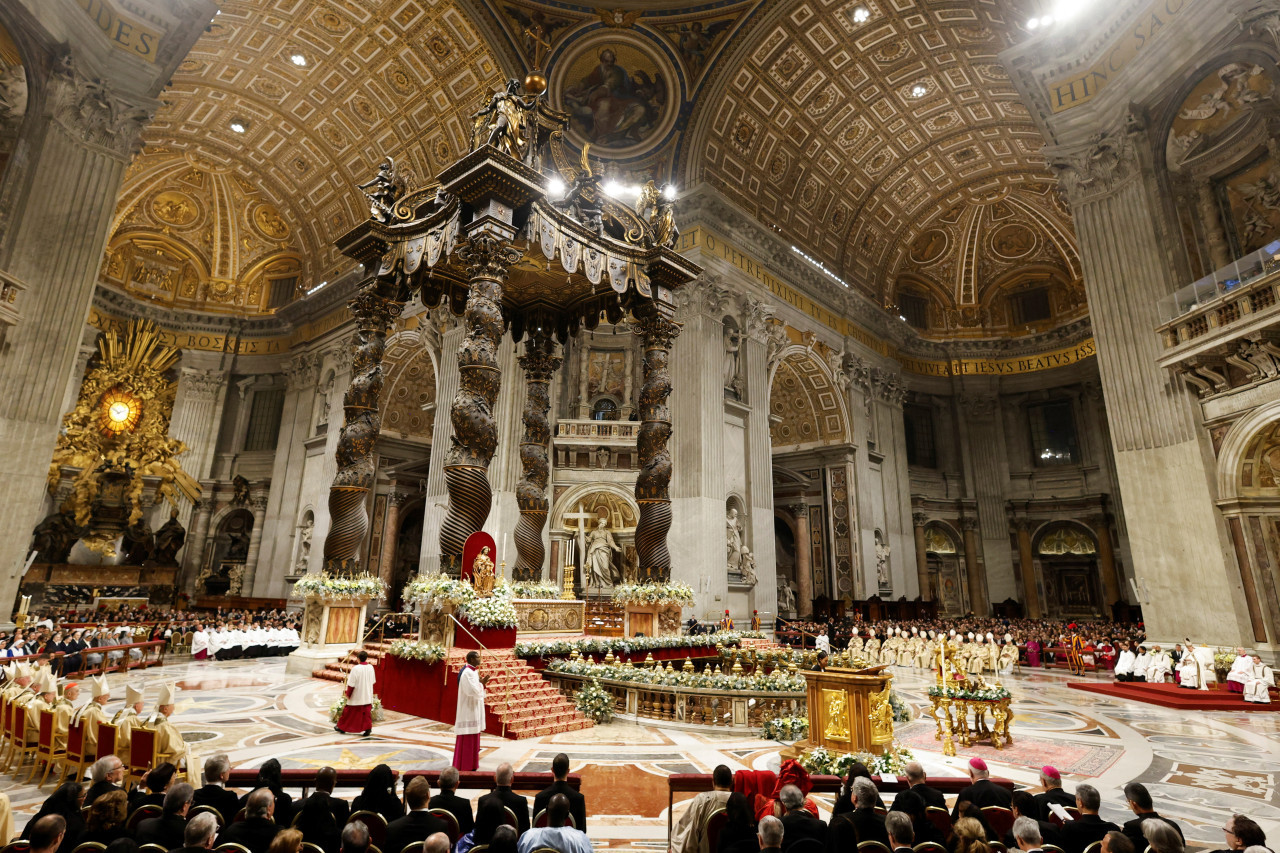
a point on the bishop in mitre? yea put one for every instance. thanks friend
(469, 722)
(126, 719)
(169, 743)
(94, 713)
(1258, 681)
(46, 695)
(63, 709)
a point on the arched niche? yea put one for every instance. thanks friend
(807, 408)
(409, 398)
(1067, 553)
(225, 569)
(947, 582)
(611, 502)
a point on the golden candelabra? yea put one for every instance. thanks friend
(567, 593)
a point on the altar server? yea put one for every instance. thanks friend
(1239, 669)
(469, 722)
(1124, 663)
(200, 643)
(357, 715)
(1159, 666)
(1259, 681)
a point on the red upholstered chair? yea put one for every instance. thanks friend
(106, 741)
(713, 826)
(375, 823)
(44, 748)
(941, 820)
(999, 819)
(865, 846)
(140, 814)
(510, 819)
(74, 760)
(928, 847)
(541, 820)
(453, 831)
(142, 754)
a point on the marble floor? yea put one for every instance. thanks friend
(1199, 769)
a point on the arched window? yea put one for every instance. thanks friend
(604, 410)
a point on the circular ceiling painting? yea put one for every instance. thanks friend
(620, 91)
(1013, 241)
(929, 246)
(175, 208)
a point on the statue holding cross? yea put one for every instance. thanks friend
(582, 517)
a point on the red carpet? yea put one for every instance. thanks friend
(1173, 696)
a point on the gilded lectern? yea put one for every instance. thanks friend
(849, 710)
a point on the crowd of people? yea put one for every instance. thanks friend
(781, 817)
(1194, 667)
(266, 819)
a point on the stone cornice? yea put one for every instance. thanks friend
(1072, 333)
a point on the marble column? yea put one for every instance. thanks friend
(1111, 589)
(1164, 464)
(919, 520)
(193, 550)
(804, 570)
(258, 504)
(1027, 569)
(197, 414)
(978, 602)
(387, 560)
(657, 331)
(753, 356)
(539, 362)
(437, 497)
(987, 470)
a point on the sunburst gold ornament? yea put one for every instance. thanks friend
(120, 411)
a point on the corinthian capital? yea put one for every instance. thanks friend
(89, 110)
(1096, 168)
(202, 383)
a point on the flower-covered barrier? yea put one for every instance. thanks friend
(987, 693)
(537, 591)
(777, 681)
(415, 650)
(339, 587)
(820, 762)
(539, 653)
(786, 728)
(654, 594)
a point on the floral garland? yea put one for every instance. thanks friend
(820, 762)
(496, 611)
(777, 682)
(337, 586)
(335, 710)
(659, 594)
(594, 702)
(988, 693)
(629, 645)
(411, 650)
(541, 591)
(434, 592)
(786, 728)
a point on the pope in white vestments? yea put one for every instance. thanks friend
(1196, 671)
(1258, 682)
(469, 722)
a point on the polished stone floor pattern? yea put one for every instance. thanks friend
(1199, 769)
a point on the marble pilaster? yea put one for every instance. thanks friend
(437, 497)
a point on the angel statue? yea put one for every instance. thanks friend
(502, 122)
(383, 191)
(583, 199)
(660, 214)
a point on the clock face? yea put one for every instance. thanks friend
(120, 411)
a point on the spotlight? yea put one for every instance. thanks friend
(298, 60)
(238, 126)
(669, 192)
(614, 189)
(861, 15)
(918, 91)
(555, 188)
(1033, 23)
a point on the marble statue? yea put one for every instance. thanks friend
(733, 540)
(786, 595)
(304, 547)
(776, 342)
(482, 574)
(882, 562)
(732, 346)
(599, 555)
(747, 567)
(169, 540)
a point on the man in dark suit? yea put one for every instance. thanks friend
(214, 793)
(1027, 833)
(982, 792)
(168, 830)
(197, 835)
(901, 837)
(798, 823)
(258, 827)
(447, 799)
(577, 802)
(1025, 805)
(418, 823)
(915, 779)
(151, 789)
(769, 832)
(1051, 781)
(1140, 803)
(326, 779)
(1078, 834)
(106, 773)
(502, 778)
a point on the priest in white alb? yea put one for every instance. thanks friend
(469, 722)
(1124, 663)
(1258, 681)
(1240, 668)
(1159, 665)
(357, 714)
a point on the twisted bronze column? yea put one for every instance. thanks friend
(657, 331)
(374, 312)
(539, 362)
(475, 436)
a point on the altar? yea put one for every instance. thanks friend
(549, 616)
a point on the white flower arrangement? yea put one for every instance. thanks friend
(985, 693)
(340, 587)
(411, 650)
(434, 591)
(630, 645)
(496, 611)
(335, 710)
(658, 594)
(820, 762)
(786, 728)
(542, 591)
(775, 683)
(594, 702)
